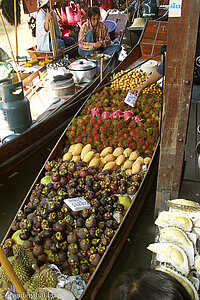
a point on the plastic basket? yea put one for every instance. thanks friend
(111, 25)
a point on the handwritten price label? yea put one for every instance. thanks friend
(130, 99)
(77, 204)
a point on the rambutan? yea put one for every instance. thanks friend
(94, 132)
(103, 129)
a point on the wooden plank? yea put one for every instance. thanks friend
(182, 36)
(190, 190)
(189, 157)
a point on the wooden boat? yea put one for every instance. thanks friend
(40, 133)
(112, 251)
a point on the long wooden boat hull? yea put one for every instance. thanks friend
(39, 134)
(130, 217)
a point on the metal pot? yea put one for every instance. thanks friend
(83, 70)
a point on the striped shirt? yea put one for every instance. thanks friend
(102, 35)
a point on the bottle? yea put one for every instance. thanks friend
(150, 10)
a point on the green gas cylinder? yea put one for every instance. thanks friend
(14, 105)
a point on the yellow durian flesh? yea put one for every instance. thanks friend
(175, 235)
(172, 254)
(184, 202)
(183, 280)
(175, 219)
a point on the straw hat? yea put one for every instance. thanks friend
(42, 2)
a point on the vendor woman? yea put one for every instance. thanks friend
(43, 29)
(94, 37)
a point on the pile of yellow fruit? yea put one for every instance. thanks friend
(133, 79)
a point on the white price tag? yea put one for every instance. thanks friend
(77, 204)
(130, 99)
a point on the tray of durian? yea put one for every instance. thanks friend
(176, 249)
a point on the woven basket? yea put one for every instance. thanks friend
(34, 53)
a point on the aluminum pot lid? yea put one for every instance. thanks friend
(82, 65)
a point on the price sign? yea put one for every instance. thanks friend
(130, 99)
(77, 204)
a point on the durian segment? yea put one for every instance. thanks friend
(197, 223)
(175, 235)
(197, 263)
(183, 280)
(197, 230)
(171, 254)
(174, 219)
(183, 204)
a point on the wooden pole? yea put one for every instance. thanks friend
(16, 40)
(127, 12)
(177, 93)
(90, 3)
(12, 275)
(12, 54)
(101, 77)
(53, 34)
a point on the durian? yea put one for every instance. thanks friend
(183, 204)
(175, 235)
(25, 255)
(197, 263)
(21, 272)
(175, 219)
(172, 254)
(183, 280)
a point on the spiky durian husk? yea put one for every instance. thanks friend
(47, 278)
(7, 7)
(21, 272)
(3, 275)
(25, 255)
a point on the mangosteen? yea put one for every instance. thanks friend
(106, 193)
(101, 249)
(50, 206)
(95, 203)
(38, 250)
(85, 244)
(29, 208)
(59, 226)
(73, 260)
(25, 235)
(82, 254)
(80, 222)
(131, 190)
(93, 210)
(15, 225)
(52, 218)
(35, 231)
(84, 213)
(38, 239)
(94, 259)
(81, 164)
(28, 244)
(37, 220)
(83, 173)
(109, 232)
(108, 216)
(86, 276)
(92, 170)
(72, 182)
(98, 232)
(119, 207)
(110, 200)
(71, 238)
(8, 252)
(30, 217)
(96, 186)
(110, 224)
(73, 248)
(55, 177)
(71, 167)
(98, 195)
(68, 230)
(79, 189)
(92, 232)
(90, 222)
(105, 240)
(54, 248)
(60, 236)
(83, 233)
(20, 216)
(74, 270)
(89, 180)
(102, 210)
(9, 243)
(109, 208)
(84, 268)
(95, 242)
(102, 225)
(42, 258)
(47, 244)
(66, 267)
(113, 187)
(90, 195)
(62, 256)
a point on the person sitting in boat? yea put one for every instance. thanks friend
(43, 29)
(142, 284)
(94, 37)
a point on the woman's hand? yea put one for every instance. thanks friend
(137, 90)
(98, 44)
